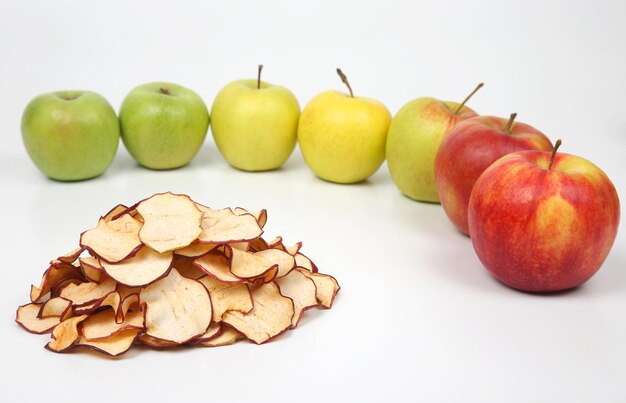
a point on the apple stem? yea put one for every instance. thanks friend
(479, 86)
(344, 79)
(164, 91)
(258, 77)
(509, 124)
(556, 147)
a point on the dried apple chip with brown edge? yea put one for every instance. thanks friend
(91, 268)
(144, 268)
(217, 266)
(270, 316)
(305, 262)
(84, 293)
(56, 306)
(114, 345)
(284, 260)
(102, 324)
(178, 309)
(186, 267)
(113, 241)
(301, 290)
(261, 215)
(169, 221)
(70, 257)
(227, 297)
(27, 317)
(224, 226)
(112, 299)
(196, 249)
(249, 265)
(326, 287)
(115, 212)
(155, 341)
(226, 337)
(53, 276)
(65, 334)
(214, 330)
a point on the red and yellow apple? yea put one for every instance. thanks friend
(468, 149)
(542, 222)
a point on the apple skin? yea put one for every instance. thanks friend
(342, 138)
(255, 129)
(70, 135)
(414, 137)
(538, 229)
(468, 149)
(163, 129)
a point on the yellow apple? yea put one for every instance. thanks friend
(415, 135)
(254, 124)
(342, 137)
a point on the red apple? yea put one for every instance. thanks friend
(469, 149)
(543, 223)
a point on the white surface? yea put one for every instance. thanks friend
(418, 318)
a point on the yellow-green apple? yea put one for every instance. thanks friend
(255, 124)
(468, 149)
(163, 124)
(415, 134)
(543, 222)
(70, 135)
(342, 137)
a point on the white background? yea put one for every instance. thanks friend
(418, 318)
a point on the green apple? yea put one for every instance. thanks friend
(163, 124)
(342, 137)
(414, 137)
(255, 124)
(70, 135)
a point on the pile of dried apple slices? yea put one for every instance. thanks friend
(167, 272)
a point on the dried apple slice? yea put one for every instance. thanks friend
(84, 293)
(170, 222)
(65, 334)
(326, 287)
(305, 262)
(284, 260)
(115, 212)
(114, 345)
(53, 276)
(294, 249)
(227, 297)
(144, 268)
(102, 324)
(70, 257)
(178, 309)
(270, 316)
(214, 330)
(224, 226)
(249, 265)
(187, 268)
(217, 266)
(257, 245)
(57, 306)
(126, 304)
(196, 249)
(301, 290)
(27, 317)
(260, 216)
(112, 299)
(155, 341)
(91, 268)
(226, 337)
(113, 241)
